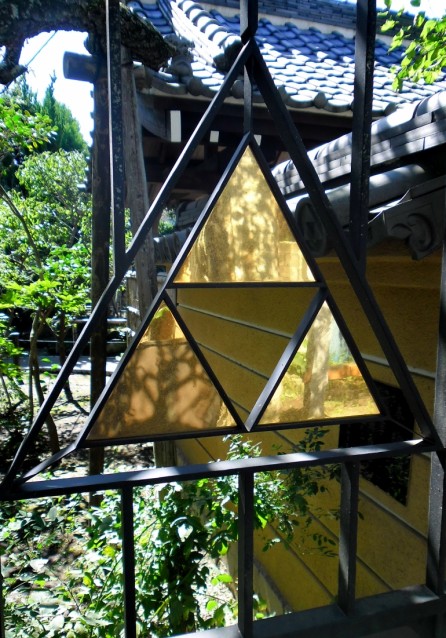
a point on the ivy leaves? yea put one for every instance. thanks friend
(425, 55)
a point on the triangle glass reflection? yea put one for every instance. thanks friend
(162, 390)
(323, 380)
(246, 238)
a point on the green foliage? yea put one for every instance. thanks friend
(63, 561)
(167, 222)
(10, 372)
(45, 250)
(425, 55)
(20, 130)
(44, 229)
(68, 136)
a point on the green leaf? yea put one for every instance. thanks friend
(222, 578)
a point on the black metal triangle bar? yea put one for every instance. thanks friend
(298, 154)
(207, 210)
(115, 282)
(204, 362)
(203, 127)
(362, 121)
(44, 465)
(285, 360)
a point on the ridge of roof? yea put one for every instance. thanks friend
(416, 127)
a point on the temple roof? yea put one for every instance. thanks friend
(307, 45)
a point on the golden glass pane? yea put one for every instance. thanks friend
(393, 301)
(163, 389)
(323, 380)
(243, 332)
(246, 237)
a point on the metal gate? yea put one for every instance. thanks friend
(420, 607)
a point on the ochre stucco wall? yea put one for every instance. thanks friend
(392, 536)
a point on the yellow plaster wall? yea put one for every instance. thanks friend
(391, 541)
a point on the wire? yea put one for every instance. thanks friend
(41, 48)
(31, 61)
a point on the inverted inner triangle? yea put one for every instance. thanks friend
(246, 237)
(242, 333)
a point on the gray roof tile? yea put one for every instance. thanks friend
(306, 64)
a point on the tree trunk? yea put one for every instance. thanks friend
(316, 373)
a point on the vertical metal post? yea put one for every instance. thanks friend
(436, 558)
(248, 28)
(2, 608)
(128, 562)
(113, 30)
(362, 120)
(249, 19)
(348, 536)
(245, 553)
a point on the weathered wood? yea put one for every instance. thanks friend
(138, 203)
(31, 17)
(136, 188)
(100, 248)
(80, 67)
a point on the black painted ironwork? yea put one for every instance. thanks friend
(348, 617)
(362, 121)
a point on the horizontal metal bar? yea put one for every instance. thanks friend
(221, 632)
(372, 614)
(57, 487)
(247, 284)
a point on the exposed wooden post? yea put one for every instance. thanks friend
(137, 201)
(100, 243)
(136, 197)
(94, 69)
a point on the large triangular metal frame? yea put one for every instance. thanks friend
(251, 60)
(247, 142)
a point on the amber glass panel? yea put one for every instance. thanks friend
(246, 237)
(322, 381)
(395, 302)
(243, 332)
(164, 389)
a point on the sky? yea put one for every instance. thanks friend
(43, 56)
